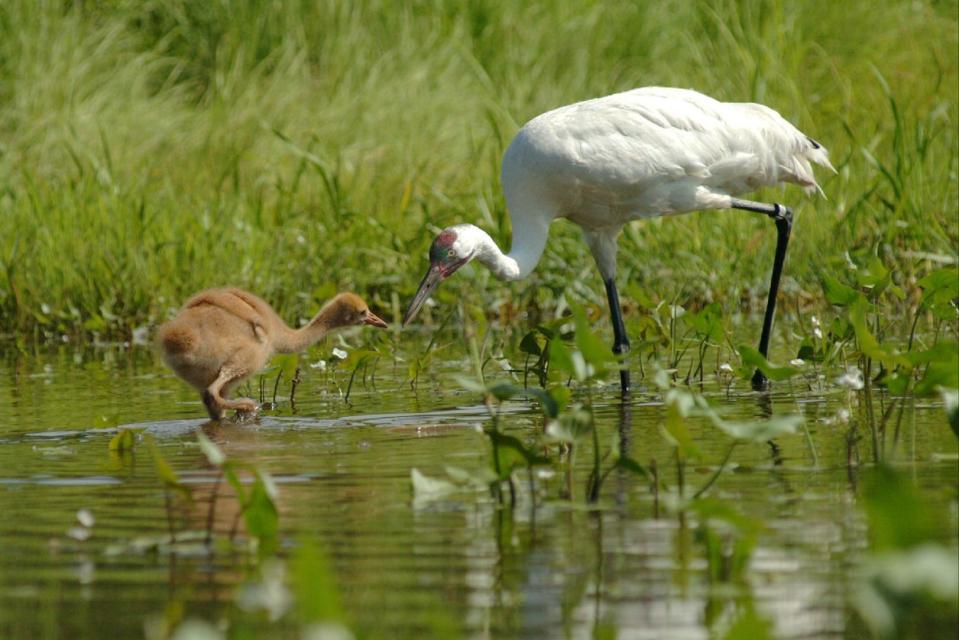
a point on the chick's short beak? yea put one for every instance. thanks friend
(374, 320)
(431, 280)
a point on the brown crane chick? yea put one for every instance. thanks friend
(223, 336)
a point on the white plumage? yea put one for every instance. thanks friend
(638, 154)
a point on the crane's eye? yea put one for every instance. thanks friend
(450, 253)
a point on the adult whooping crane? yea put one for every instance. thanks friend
(639, 154)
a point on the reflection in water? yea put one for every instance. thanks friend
(632, 567)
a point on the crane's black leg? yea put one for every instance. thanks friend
(783, 216)
(620, 340)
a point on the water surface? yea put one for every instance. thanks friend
(459, 566)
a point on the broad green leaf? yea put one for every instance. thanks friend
(749, 625)
(838, 293)
(470, 384)
(213, 453)
(513, 453)
(927, 575)
(897, 517)
(314, 584)
(594, 351)
(723, 511)
(504, 390)
(499, 390)
(530, 345)
(571, 426)
(124, 440)
(547, 402)
(874, 275)
(476, 479)
(165, 472)
(229, 472)
(942, 351)
(561, 394)
(950, 402)
(939, 374)
(867, 341)
(940, 290)
(259, 511)
(753, 359)
(758, 430)
(627, 463)
(675, 429)
(560, 359)
(195, 629)
(428, 488)
(708, 322)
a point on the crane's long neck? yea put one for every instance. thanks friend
(529, 241)
(289, 340)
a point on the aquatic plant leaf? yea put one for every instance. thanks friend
(708, 322)
(723, 511)
(530, 345)
(500, 390)
(837, 292)
(942, 368)
(753, 359)
(259, 510)
(897, 517)
(229, 472)
(547, 401)
(213, 453)
(470, 384)
(874, 276)
(124, 440)
(560, 358)
(750, 626)
(675, 429)
(504, 390)
(594, 352)
(628, 464)
(428, 488)
(314, 584)
(894, 585)
(475, 479)
(552, 400)
(950, 402)
(940, 290)
(758, 430)
(867, 341)
(512, 453)
(570, 426)
(194, 629)
(165, 472)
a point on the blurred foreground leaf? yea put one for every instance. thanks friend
(753, 359)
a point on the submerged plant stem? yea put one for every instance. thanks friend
(718, 472)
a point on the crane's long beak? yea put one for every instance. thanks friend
(374, 320)
(431, 280)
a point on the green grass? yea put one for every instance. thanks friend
(149, 149)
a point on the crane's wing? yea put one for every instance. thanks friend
(657, 150)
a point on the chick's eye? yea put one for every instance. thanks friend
(450, 253)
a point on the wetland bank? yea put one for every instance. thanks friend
(485, 480)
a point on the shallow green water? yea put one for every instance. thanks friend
(454, 567)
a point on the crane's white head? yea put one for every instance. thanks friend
(451, 249)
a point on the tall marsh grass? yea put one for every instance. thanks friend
(151, 148)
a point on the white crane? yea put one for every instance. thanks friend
(643, 153)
